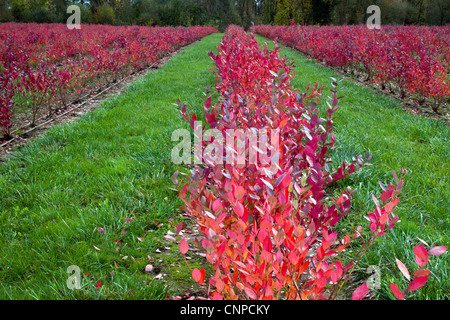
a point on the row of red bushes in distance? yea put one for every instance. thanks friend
(269, 232)
(47, 66)
(405, 59)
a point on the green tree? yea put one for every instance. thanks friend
(302, 11)
(105, 14)
(123, 11)
(195, 12)
(5, 11)
(247, 11)
(321, 11)
(85, 12)
(269, 9)
(145, 12)
(351, 11)
(299, 10)
(437, 12)
(20, 10)
(224, 12)
(282, 15)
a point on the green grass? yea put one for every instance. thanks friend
(111, 164)
(370, 122)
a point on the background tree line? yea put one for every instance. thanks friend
(223, 12)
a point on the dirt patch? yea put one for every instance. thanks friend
(171, 264)
(75, 110)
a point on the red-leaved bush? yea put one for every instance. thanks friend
(6, 103)
(44, 67)
(403, 59)
(267, 227)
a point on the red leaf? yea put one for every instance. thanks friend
(303, 267)
(360, 292)
(198, 275)
(293, 258)
(403, 269)
(179, 227)
(346, 239)
(202, 278)
(251, 293)
(239, 193)
(266, 256)
(216, 296)
(217, 204)
(396, 291)
(437, 251)
(239, 209)
(194, 117)
(98, 285)
(421, 255)
(184, 246)
(417, 283)
(266, 225)
(220, 285)
(421, 273)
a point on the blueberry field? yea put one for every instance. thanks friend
(155, 150)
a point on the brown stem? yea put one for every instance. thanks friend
(345, 277)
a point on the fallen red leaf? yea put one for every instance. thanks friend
(437, 251)
(396, 291)
(360, 292)
(421, 255)
(403, 269)
(184, 246)
(417, 283)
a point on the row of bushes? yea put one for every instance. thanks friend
(412, 60)
(45, 67)
(268, 227)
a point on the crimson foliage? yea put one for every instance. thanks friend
(46, 66)
(269, 230)
(404, 59)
